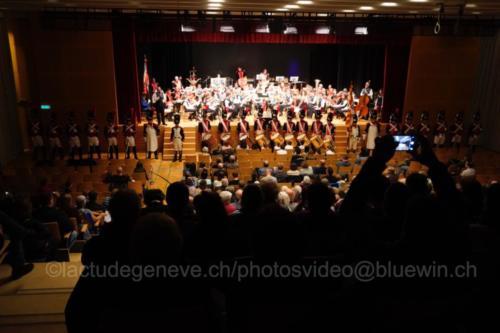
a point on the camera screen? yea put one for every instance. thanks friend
(405, 142)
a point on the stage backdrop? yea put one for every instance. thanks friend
(331, 63)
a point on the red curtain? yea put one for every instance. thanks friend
(155, 36)
(126, 77)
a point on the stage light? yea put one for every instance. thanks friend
(282, 9)
(419, 0)
(45, 107)
(476, 13)
(348, 11)
(470, 5)
(290, 30)
(389, 4)
(215, 1)
(226, 28)
(262, 29)
(292, 6)
(361, 31)
(323, 30)
(322, 15)
(304, 2)
(366, 8)
(212, 13)
(187, 28)
(214, 5)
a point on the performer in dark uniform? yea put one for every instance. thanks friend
(274, 127)
(329, 135)
(204, 129)
(111, 134)
(93, 136)
(440, 131)
(289, 129)
(301, 128)
(316, 133)
(379, 103)
(73, 132)
(423, 127)
(457, 130)
(151, 133)
(259, 129)
(392, 127)
(408, 127)
(177, 138)
(243, 129)
(35, 132)
(224, 128)
(55, 144)
(129, 132)
(475, 130)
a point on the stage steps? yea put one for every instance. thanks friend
(189, 148)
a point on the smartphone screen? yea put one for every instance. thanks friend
(405, 142)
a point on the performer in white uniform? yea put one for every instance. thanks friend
(151, 133)
(55, 144)
(177, 137)
(372, 132)
(129, 130)
(73, 132)
(111, 134)
(92, 136)
(354, 135)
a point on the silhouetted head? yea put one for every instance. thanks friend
(177, 196)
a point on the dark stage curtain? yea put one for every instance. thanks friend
(126, 74)
(396, 71)
(332, 64)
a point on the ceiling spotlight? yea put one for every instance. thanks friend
(325, 30)
(282, 9)
(348, 11)
(304, 2)
(290, 30)
(216, 1)
(262, 29)
(389, 4)
(322, 15)
(226, 28)
(214, 5)
(419, 0)
(470, 5)
(187, 28)
(361, 31)
(366, 8)
(292, 6)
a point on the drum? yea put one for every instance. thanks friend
(277, 138)
(301, 136)
(316, 141)
(243, 137)
(225, 136)
(206, 136)
(289, 137)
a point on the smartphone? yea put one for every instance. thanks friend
(405, 142)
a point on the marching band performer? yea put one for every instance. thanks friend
(457, 130)
(151, 133)
(274, 127)
(243, 129)
(408, 127)
(73, 132)
(129, 131)
(204, 129)
(35, 132)
(440, 130)
(301, 129)
(191, 105)
(329, 135)
(55, 138)
(92, 136)
(169, 105)
(354, 135)
(111, 134)
(177, 138)
(475, 130)
(372, 131)
(379, 102)
(341, 107)
(259, 128)
(423, 127)
(224, 128)
(289, 129)
(316, 133)
(392, 127)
